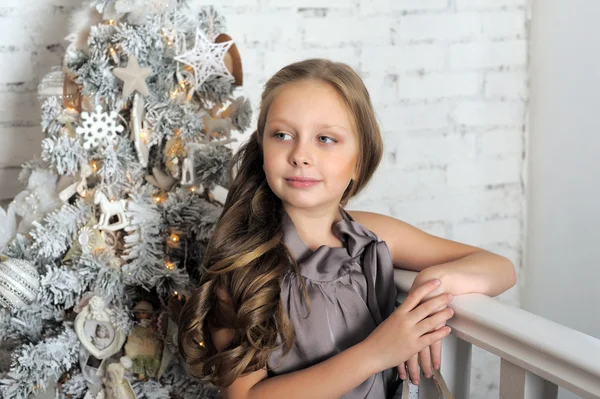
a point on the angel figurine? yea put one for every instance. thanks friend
(116, 386)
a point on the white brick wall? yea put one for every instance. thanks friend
(448, 79)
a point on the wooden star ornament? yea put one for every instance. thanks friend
(133, 77)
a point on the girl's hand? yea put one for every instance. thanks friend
(410, 328)
(430, 357)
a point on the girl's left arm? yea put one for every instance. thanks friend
(461, 268)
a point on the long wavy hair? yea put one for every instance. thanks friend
(246, 258)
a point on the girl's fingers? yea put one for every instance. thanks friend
(425, 360)
(415, 297)
(437, 335)
(436, 354)
(431, 306)
(413, 369)
(429, 324)
(402, 371)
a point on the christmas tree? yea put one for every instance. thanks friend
(101, 249)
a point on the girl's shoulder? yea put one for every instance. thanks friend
(382, 225)
(410, 247)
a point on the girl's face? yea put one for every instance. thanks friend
(101, 331)
(310, 146)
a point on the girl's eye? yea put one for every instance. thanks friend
(326, 140)
(282, 136)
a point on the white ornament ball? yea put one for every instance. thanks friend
(19, 283)
(52, 84)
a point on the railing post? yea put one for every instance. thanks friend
(518, 383)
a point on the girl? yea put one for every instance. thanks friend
(298, 297)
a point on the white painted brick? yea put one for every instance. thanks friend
(482, 172)
(439, 85)
(15, 107)
(338, 30)
(493, 231)
(343, 4)
(434, 150)
(464, 205)
(501, 143)
(506, 85)
(277, 59)
(395, 184)
(488, 4)
(277, 29)
(382, 89)
(447, 26)
(13, 31)
(15, 66)
(10, 185)
(253, 62)
(397, 117)
(245, 3)
(504, 24)
(39, 4)
(399, 58)
(488, 54)
(19, 144)
(384, 6)
(479, 113)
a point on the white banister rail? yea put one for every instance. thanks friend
(537, 354)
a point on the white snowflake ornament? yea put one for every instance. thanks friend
(98, 129)
(206, 59)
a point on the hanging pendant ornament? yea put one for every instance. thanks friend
(95, 330)
(19, 283)
(140, 134)
(98, 129)
(175, 153)
(109, 209)
(206, 59)
(133, 77)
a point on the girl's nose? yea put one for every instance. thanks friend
(301, 156)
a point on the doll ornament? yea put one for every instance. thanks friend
(144, 346)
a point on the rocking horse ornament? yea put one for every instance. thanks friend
(109, 209)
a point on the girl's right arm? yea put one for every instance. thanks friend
(407, 331)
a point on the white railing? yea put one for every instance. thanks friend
(537, 355)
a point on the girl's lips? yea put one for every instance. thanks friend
(302, 182)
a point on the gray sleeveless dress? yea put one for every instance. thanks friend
(351, 291)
